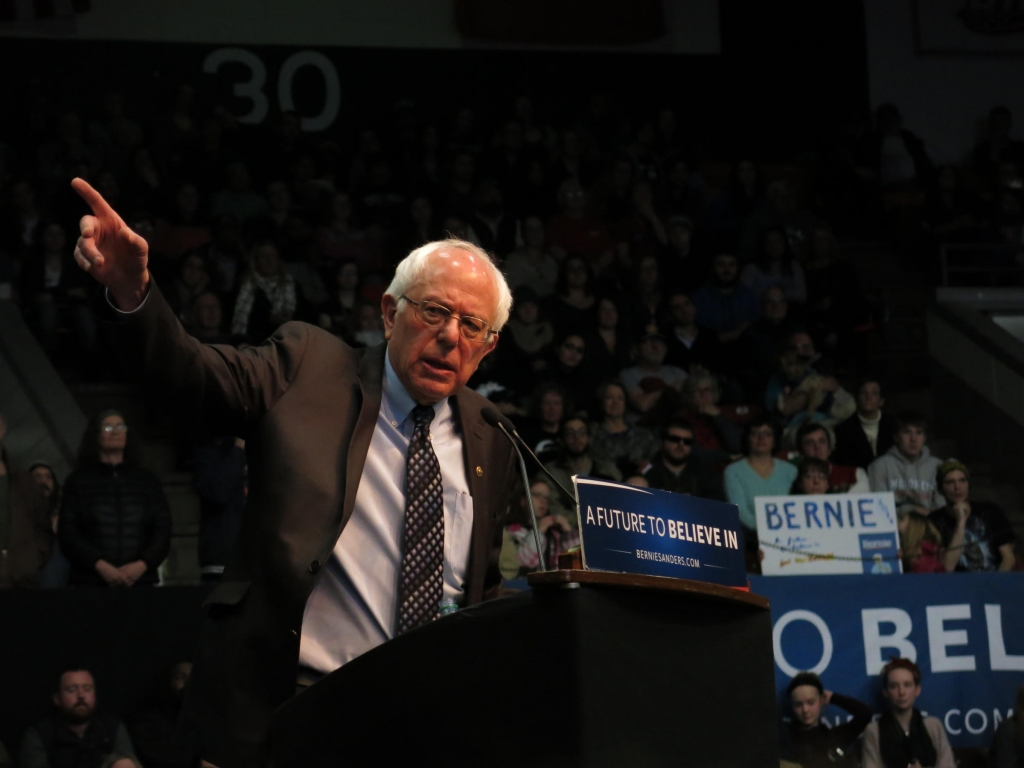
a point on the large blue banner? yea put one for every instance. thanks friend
(643, 530)
(964, 630)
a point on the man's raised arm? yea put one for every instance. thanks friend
(111, 252)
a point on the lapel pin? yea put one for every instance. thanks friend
(479, 471)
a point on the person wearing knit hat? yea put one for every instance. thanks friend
(976, 534)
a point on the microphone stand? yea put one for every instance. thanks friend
(541, 550)
(562, 488)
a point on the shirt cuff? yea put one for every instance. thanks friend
(113, 306)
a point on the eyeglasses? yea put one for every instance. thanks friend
(472, 328)
(677, 439)
(108, 428)
(575, 432)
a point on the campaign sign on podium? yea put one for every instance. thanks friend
(627, 529)
(835, 533)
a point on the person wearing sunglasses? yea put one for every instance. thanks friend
(675, 468)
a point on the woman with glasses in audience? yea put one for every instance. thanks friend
(759, 473)
(614, 436)
(115, 525)
(811, 478)
(902, 737)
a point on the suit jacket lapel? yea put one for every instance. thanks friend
(475, 456)
(370, 375)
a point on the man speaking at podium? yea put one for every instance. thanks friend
(376, 488)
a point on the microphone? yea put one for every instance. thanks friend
(495, 418)
(502, 424)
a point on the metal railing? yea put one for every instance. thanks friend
(990, 264)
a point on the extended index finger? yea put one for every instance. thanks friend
(94, 199)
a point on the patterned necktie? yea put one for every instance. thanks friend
(421, 586)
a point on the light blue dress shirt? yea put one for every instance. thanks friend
(354, 605)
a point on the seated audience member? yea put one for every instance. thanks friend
(805, 739)
(775, 266)
(768, 337)
(613, 438)
(206, 321)
(519, 548)
(154, 730)
(26, 528)
(759, 473)
(221, 479)
(717, 439)
(53, 292)
(542, 427)
(569, 368)
(645, 305)
(902, 736)
(609, 343)
(908, 468)
(495, 229)
(572, 307)
(267, 296)
(690, 345)
(532, 266)
(684, 270)
(798, 393)
(77, 733)
(238, 198)
(369, 325)
(573, 231)
(811, 478)
(976, 534)
(869, 432)
(998, 147)
(577, 459)
(338, 314)
(525, 344)
(650, 379)
(115, 525)
(724, 304)
(193, 281)
(813, 440)
(921, 544)
(1008, 744)
(675, 467)
(837, 311)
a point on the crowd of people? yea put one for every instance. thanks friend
(670, 329)
(900, 735)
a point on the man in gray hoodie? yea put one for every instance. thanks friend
(908, 468)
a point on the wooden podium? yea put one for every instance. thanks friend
(587, 669)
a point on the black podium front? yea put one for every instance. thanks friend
(587, 669)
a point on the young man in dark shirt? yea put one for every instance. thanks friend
(808, 741)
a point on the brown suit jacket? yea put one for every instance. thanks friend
(306, 404)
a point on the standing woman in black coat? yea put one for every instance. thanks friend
(115, 525)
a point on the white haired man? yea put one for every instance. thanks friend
(368, 469)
